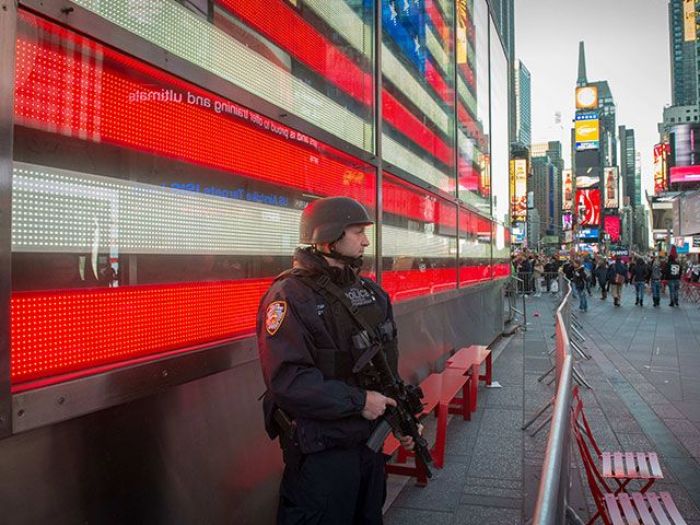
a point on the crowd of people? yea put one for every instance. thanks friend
(539, 274)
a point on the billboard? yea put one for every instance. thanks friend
(567, 187)
(661, 152)
(690, 215)
(612, 183)
(462, 24)
(518, 190)
(406, 28)
(685, 174)
(587, 181)
(689, 20)
(588, 234)
(588, 206)
(587, 97)
(518, 233)
(567, 221)
(587, 134)
(613, 227)
(587, 159)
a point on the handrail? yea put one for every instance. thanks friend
(552, 498)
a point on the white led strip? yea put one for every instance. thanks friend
(186, 35)
(405, 159)
(58, 211)
(436, 49)
(466, 95)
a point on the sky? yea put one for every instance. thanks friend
(627, 44)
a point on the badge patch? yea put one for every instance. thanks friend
(274, 316)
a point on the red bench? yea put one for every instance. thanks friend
(468, 360)
(439, 390)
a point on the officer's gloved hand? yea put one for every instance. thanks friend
(375, 405)
(407, 441)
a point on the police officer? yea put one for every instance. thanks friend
(314, 402)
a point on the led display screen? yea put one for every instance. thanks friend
(518, 190)
(567, 200)
(611, 183)
(587, 133)
(661, 152)
(613, 227)
(588, 206)
(681, 174)
(419, 253)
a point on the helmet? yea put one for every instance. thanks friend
(325, 220)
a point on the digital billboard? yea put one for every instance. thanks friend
(685, 174)
(567, 221)
(588, 206)
(586, 133)
(587, 181)
(586, 97)
(660, 167)
(588, 234)
(689, 20)
(518, 189)
(567, 186)
(406, 27)
(612, 181)
(612, 227)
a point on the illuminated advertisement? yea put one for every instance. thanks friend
(588, 206)
(680, 174)
(586, 181)
(518, 189)
(612, 227)
(689, 20)
(587, 133)
(567, 221)
(611, 178)
(567, 186)
(588, 234)
(519, 231)
(660, 158)
(462, 23)
(586, 97)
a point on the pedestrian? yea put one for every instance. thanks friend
(619, 278)
(314, 400)
(538, 273)
(640, 276)
(672, 275)
(655, 280)
(580, 280)
(601, 274)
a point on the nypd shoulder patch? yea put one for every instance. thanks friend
(274, 316)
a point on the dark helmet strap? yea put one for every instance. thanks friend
(354, 262)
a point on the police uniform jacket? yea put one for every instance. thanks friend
(307, 355)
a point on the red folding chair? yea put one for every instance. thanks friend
(620, 506)
(622, 467)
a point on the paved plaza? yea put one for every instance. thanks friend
(645, 396)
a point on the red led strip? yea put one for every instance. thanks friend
(501, 271)
(64, 331)
(399, 198)
(436, 19)
(50, 68)
(281, 24)
(402, 285)
(437, 82)
(474, 273)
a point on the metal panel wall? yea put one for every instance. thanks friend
(198, 453)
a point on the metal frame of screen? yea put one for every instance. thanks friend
(51, 400)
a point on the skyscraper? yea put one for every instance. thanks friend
(628, 170)
(523, 108)
(682, 38)
(545, 184)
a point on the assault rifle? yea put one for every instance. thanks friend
(401, 419)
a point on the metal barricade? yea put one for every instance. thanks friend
(552, 505)
(513, 292)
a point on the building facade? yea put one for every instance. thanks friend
(683, 52)
(523, 104)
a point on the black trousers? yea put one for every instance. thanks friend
(338, 487)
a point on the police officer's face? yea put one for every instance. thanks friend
(354, 241)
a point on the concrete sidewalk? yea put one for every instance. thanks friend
(645, 374)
